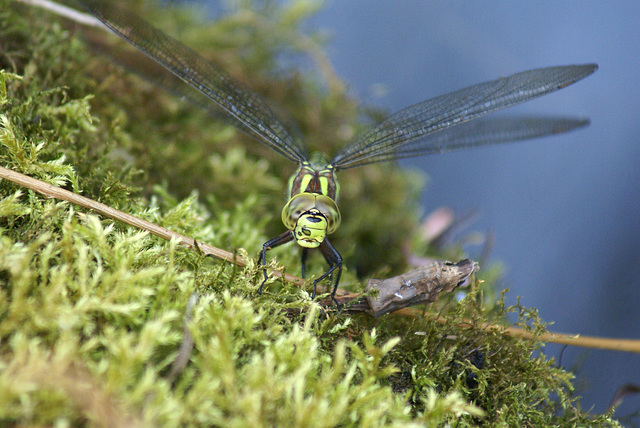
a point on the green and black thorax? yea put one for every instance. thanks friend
(311, 211)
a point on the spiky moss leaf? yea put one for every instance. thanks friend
(11, 206)
(439, 408)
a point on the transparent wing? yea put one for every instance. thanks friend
(481, 132)
(246, 109)
(407, 133)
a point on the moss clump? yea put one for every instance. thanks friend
(91, 312)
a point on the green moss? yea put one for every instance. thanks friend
(91, 311)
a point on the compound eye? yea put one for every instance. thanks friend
(330, 210)
(297, 205)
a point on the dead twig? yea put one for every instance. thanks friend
(51, 191)
(421, 285)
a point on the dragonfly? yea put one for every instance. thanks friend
(447, 122)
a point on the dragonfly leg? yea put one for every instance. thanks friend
(334, 259)
(272, 243)
(303, 261)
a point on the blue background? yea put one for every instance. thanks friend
(565, 210)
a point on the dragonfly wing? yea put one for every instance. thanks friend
(481, 132)
(417, 122)
(246, 108)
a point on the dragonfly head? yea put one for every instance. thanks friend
(311, 217)
(310, 229)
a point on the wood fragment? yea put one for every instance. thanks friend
(421, 285)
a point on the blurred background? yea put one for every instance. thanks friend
(565, 210)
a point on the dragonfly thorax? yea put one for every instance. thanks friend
(311, 212)
(314, 177)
